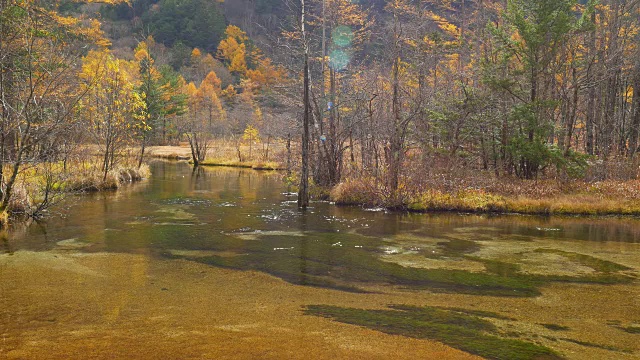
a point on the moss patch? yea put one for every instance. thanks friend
(594, 345)
(631, 329)
(461, 331)
(479, 313)
(599, 265)
(555, 327)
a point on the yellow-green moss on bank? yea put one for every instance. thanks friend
(592, 201)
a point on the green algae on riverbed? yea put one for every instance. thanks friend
(456, 329)
(333, 259)
(349, 262)
(631, 329)
(605, 270)
(599, 265)
(555, 327)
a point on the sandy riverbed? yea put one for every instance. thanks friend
(69, 305)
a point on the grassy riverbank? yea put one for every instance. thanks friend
(40, 186)
(514, 196)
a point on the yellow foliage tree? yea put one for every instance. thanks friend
(251, 135)
(113, 110)
(207, 98)
(195, 55)
(229, 94)
(238, 64)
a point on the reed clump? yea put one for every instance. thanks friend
(91, 178)
(42, 185)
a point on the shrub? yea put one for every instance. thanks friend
(363, 191)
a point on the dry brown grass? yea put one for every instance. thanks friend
(89, 177)
(182, 152)
(224, 152)
(592, 200)
(363, 191)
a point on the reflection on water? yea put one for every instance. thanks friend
(246, 220)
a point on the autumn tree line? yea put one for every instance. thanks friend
(519, 88)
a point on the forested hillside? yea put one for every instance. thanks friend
(398, 96)
(516, 86)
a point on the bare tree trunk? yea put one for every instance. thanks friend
(303, 193)
(288, 154)
(635, 120)
(193, 144)
(142, 148)
(612, 84)
(571, 118)
(394, 155)
(334, 147)
(105, 160)
(591, 97)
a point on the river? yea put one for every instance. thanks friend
(219, 263)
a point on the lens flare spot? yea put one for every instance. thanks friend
(339, 59)
(342, 36)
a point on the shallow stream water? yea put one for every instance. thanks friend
(220, 263)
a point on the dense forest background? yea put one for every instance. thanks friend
(402, 94)
(517, 87)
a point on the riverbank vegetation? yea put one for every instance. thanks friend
(37, 188)
(506, 195)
